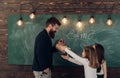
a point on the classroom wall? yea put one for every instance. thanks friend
(8, 7)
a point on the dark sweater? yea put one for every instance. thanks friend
(43, 52)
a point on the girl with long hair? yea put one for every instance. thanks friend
(89, 59)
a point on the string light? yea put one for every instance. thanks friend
(109, 21)
(32, 15)
(65, 20)
(20, 22)
(79, 24)
(92, 20)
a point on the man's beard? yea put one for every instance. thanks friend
(52, 34)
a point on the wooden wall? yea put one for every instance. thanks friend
(9, 7)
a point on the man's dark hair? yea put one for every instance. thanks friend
(52, 21)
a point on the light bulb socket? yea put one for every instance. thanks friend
(109, 18)
(34, 12)
(65, 17)
(79, 20)
(92, 16)
(21, 18)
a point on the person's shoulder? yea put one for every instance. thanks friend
(41, 33)
(85, 61)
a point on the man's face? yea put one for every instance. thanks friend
(53, 30)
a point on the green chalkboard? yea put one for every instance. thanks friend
(21, 39)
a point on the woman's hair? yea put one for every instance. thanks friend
(100, 53)
(92, 56)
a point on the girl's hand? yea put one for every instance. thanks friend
(61, 47)
(66, 57)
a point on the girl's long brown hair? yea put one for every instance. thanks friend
(100, 52)
(92, 57)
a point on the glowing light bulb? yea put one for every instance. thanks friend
(79, 24)
(92, 20)
(20, 22)
(32, 16)
(64, 20)
(109, 22)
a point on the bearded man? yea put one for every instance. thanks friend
(43, 49)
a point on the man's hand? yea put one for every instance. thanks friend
(61, 42)
(46, 70)
(61, 47)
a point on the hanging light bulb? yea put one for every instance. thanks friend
(92, 20)
(79, 24)
(20, 22)
(32, 15)
(64, 20)
(109, 21)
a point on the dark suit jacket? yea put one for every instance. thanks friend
(43, 52)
